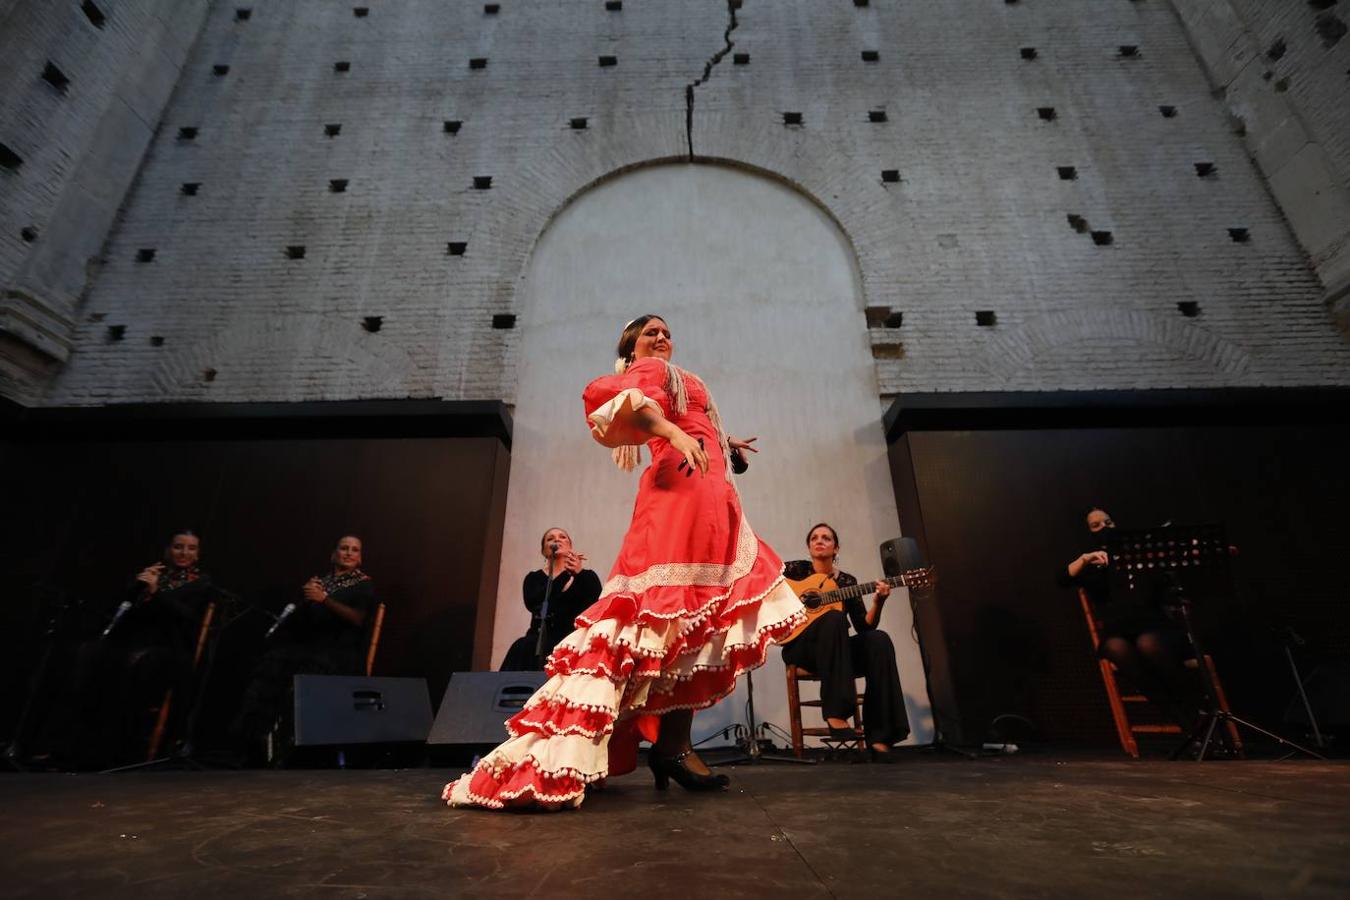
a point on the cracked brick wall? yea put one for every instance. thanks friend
(1040, 195)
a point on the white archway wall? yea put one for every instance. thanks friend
(762, 292)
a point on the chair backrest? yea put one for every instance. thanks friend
(376, 626)
(1090, 616)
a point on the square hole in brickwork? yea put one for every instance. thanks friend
(145, 255)
(890, 176)
(189, 188)
(28, 233)
(1276, 50)
(342, 66)
(859, 3)
(894, 320)
(208, 375)
(333, 129)
(1077, 222)
(220, 71)
(1128, 51)
(187, 133)
(1282, 85)
(1103, 238)
(1010, 2)
(607, 61)
(456, 248)
(295, 251)
(888, 351)
(243, 14)
(482, 182)
(93, 13)
(613, 5)
(491, 9)
(1028, 53)
(360, 11)
(9, 159)
(1067, 173)
(1321, 4)
(1188, 308)
(451, 126)
(372, 323)
(1168, 112)
(55, 77)
(1206, 169)
(876, 315)
(117, 332)
(740, 59)
(986, 318)
(337, 185)
(792, 118)
(577, 124)
(1330, 29)
(478, 62)
(156, 340)
(504, 320)
(1239, 235)
(1047, 113)
(876, 115)
(870, 56)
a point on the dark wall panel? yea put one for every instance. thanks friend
(1001, 511)
(81, 517)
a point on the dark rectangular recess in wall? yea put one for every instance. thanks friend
(986, 318)
(342, 65)
(1047, 113)
(876, 116)
(451, 126)
(1188, 308)
(1103, 238)
(504, 321)
(295, 251)
(890, 176)
(792, 118)
(9, 159)
(55, 77)
(332, 129)
(187, 133)
(360, 12)
(1168, 112)
(1239, 235)
(243, 14)
(28, 234)
(606, 61)
(740, 59)
(189, 188)
(577, 124)
(1077, 222)
(482, 182)
(1067, 173)
(1206, 169)
(337, 185)
(456, 248)
(145, 255)
(1128, 51)
(478, 62)
(491, 9)
(613, 5)
(93, 14)
(1028, 53)
(220, 70)
(870, 56)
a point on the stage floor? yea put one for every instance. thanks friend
(927, 827)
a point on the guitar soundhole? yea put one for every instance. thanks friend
(811, 600)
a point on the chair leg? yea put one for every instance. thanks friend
(795, 712)
(1127, 741)
(161, 722)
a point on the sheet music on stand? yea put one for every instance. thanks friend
(1159, 560)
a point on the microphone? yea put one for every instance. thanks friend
(553, 548)
(122, 609)
(287, 611)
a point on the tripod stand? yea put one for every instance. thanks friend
(750, 753)
(14, 753)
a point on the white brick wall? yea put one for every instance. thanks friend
(976, 223)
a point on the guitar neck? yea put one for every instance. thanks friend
(862, 589)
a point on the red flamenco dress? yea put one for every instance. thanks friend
(694, 599)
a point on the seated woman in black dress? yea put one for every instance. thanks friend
(826, 649)
(574, 589)
(323, 634)
(145, 649)
(1136, 635)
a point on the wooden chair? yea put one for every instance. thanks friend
(795, 675)
(376, 627)
(166, 706)
(1125, 729)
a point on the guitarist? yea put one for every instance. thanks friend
(826, 649)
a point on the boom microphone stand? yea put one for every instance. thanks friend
(543, 610)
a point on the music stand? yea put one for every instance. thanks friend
(750, 753)
(1177, 563)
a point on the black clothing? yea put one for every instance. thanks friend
(570, 597)
(120, 680)
(826, 649)
(1125, 614)
(314, 640)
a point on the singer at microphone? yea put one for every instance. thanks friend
(321, 632)
(120, 677)
(573, 589)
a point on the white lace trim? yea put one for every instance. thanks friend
(690, 574)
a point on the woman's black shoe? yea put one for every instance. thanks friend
(665, 768)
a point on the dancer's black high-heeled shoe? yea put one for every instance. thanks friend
(665, 768)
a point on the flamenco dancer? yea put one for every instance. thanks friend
(693, 600)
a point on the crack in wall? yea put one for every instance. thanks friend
(707, 73)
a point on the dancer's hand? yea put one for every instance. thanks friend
(738, 444)
(692, 451)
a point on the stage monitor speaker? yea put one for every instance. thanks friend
(351, 709)
(477, 704)
(900, 555)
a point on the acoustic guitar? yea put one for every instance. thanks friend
(819, 594)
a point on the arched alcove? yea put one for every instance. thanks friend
(762, 293)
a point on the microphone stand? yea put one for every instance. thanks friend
(543, 610)
(13, 754)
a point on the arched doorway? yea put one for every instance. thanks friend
(762, 293)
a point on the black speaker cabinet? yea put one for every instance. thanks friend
(351, 709)
(477, 704)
